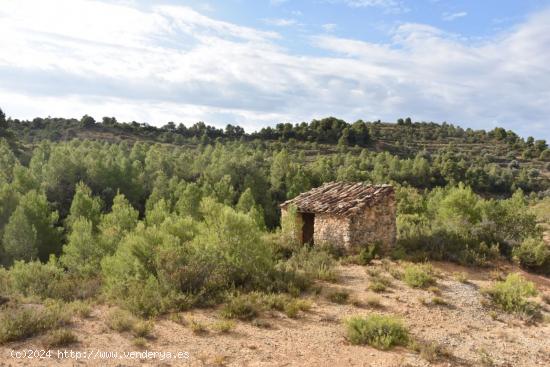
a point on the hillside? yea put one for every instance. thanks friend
(130, 238)
(452, 325)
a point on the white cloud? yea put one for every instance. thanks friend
(391, 6)
(277, 2)
(449, 17)
(280, 22)
(173, 63)
(330, 27)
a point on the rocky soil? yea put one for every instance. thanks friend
(466, 331)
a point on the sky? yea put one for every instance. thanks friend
(477, 64)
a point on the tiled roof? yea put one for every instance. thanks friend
(341, 198)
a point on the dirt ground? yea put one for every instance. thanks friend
(469, 332)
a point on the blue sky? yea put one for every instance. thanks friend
(478, 64)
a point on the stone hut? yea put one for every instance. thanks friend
(351, 215)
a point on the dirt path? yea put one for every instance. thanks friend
(464, 328)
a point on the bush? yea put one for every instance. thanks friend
(120, 321)
(242, 307)
(197, 327)
(21, 323)
(366, 255)
(377, 286)
(60, 338)
(181, 263)
(223, 326)
(80, 308)
(41, 280)
(379, 331)
(340, 296)
(511, 295)
(312, 263)
(532, 253)
(142, 329)
(418, 276)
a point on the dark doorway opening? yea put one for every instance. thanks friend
(308, 228)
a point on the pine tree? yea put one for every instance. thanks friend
(84, 205)
(20, 238)
(115, 225)
(83, 253)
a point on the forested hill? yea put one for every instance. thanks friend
(405, 138)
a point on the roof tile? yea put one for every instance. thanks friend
(342, 198)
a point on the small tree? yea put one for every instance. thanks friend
(83, 253)
(20, 238)
(87, 121)
(84, 205)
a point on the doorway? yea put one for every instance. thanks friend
(308, 228)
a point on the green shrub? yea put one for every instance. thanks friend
(142, 329)
(242, 307)
(419, 276)
(59, 338)
(20, 323)
(81, 308)
(511, 295)
(181, 263)
(42, 280)
(430, 351)
(223, 326)
(378, 331)
(312, 263)
(377, 286)
(366, 255)
(5, 280)
(532, 253)
(379, 283)
(338, 296)
(276, 301)
(197, 327)
(120, 320)
(139, 342)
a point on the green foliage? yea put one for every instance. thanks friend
(23, 322)
(189, 201)
(43, 280)
(382, 332)
(243, 307)
(418, 276)
(313, 263)
(7, 161)
(223, 326)
(60, 338)
(338, 296)
(455, 224)
(366, 255)
(83, 253)
(533, 254)
(235, 241)
(116, 224)
(31, 232)
(512, 293)
(120, 320)
(20, 238)
(84, 205)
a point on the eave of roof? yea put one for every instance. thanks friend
(340, 198)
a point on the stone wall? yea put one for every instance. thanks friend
(375, 224)
(332, 230)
